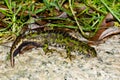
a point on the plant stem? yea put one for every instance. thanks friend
(80, 27)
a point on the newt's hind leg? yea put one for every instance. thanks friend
(69, 55)
(45, 49)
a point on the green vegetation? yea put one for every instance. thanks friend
(83, 15)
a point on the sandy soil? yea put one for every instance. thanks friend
(34, 65)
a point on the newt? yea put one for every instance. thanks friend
(47, 37)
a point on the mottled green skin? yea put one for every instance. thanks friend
(61, 38)
(45, 38)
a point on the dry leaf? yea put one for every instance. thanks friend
(110, 31)
(106, 23)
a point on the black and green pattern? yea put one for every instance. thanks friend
(53, 37)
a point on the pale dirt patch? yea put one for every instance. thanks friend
(34, 65)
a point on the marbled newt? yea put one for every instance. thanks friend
(45, 38)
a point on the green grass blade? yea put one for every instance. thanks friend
(110, 10)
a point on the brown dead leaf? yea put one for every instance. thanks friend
(2, 24)
(1, 15)
(105, 24)
(2, 7)
(105, 34)
(108, 32)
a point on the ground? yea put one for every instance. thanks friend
(34, 65)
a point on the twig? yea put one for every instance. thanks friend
(76, 20)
